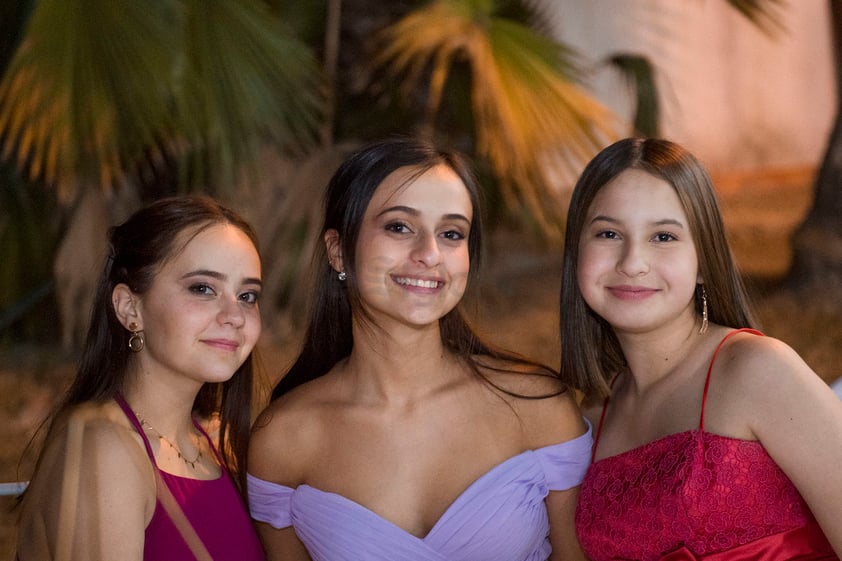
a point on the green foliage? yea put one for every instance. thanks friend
(28, 234)
(531, 122)
(98, 85)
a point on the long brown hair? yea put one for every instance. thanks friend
(137, 250)
(590, 350)
(329, 337)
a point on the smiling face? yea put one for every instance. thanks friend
(200, 316)
(412, 258)
(637, 265)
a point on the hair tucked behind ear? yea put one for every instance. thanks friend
(333, 303)
(138, 248)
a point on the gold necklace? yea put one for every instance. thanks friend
(145, 424)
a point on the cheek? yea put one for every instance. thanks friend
(459, 267)
(588, 264)
(254, 324)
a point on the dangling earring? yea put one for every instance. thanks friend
(342, 276)
(704, 326)
(136, 341)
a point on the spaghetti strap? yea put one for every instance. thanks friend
(130, 415)
(710, 369)
(602, 418)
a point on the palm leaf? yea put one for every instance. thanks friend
(533, 124)
(245, 80)
(765, 14)
(79, 62)
(97, 86)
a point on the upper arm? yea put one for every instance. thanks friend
(279, 452)
(93, 494)
(798, 419)
(550, 421)
(561, 509)
(281, 545)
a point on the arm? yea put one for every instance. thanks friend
(92, 495)
(798, 419)
(281, 544)
(550, 421)
(561, 508)
(275, 454)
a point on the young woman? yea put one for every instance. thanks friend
(398, 434)
(139, 456)
(712, 441)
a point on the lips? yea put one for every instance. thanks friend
(222, 344)
(631, 293)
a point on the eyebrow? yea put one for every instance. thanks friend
(662, 222)
(219, 276)
(414, 212)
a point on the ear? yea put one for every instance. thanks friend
(126, 307)
(334, 250)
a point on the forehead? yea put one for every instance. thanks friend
(414, 188)
(220, 245)
(635, 189)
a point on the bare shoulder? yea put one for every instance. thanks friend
(95, 447)
(762, 366)
(767, 380)
(592, 411)
(547, 409)
(287, 433)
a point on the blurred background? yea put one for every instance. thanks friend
(108, 104)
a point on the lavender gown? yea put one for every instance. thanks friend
(501, 516)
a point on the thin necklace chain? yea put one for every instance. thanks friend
(192, 463)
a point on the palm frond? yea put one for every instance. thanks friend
(84, 92)
(98, 85)
(533, 124)
(244, 80)
(765, 14)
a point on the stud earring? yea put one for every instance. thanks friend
(704, 326)
(342, 275)
(136, 342)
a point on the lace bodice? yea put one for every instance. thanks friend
(694, 495)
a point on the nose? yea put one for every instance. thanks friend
(231, 312)
(634, 260)
(426, 249)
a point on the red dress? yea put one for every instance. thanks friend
(695, 495)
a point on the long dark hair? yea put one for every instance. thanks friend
(590, 351)
(329, 338)
(137, 250)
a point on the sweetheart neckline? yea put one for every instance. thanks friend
(456, 500)
(442, 516)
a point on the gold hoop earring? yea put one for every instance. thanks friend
(136, 342)
(704, 326)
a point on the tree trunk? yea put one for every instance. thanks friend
(817, 244)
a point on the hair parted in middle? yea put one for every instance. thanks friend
(334, 303)
(590, 352)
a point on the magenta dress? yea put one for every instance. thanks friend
(695, 495)
(501, 516)
(213, 507)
